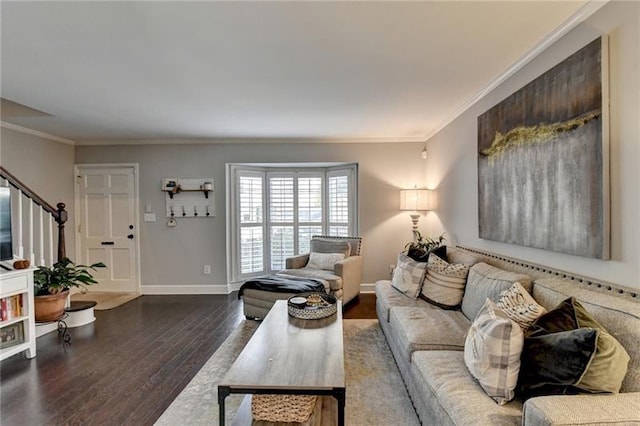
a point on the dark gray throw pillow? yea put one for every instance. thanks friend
(420, 255)
(553, 364)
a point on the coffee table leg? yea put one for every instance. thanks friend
(223, 392)
(340, 396)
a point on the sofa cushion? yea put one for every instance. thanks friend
(454, 396)
(423, 328)
(619, 316)
(520, 306)
(492, 352)
(408, 276)
(456, 255)
(334, 281)
(622, 409)
(488, 282)
(608, 366)
(388, 297)
(444, 282)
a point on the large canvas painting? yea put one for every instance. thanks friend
(543, 161)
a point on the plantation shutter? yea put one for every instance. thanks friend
(251, 218)
(310, 209)
(281, 218)
(338, 203)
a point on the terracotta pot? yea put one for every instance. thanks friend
(50, 307)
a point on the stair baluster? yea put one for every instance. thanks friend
(39, 247)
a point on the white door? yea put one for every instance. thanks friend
(107, 226)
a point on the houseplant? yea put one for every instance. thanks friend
(424, 243)
(421, 246)
(52, 284)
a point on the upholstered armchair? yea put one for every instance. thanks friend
(342, 274)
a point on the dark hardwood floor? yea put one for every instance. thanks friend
(128, 366)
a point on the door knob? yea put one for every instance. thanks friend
(130, 226)
(130, 236)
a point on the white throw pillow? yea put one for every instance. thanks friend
(492, 352)
(324, 260)
(520, 306)
(408, 276)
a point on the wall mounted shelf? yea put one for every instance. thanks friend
(184, 197)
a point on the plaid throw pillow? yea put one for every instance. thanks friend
(518, 304)
(408, 276)
(492, 352)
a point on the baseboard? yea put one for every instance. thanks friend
(234, 287)
(367, 288)
(185, 289)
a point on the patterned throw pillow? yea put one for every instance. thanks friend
(444, 282)
(520, 306)
(492, 352)
(408, 276)
(324, 260)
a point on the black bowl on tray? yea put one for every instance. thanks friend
(298, 301)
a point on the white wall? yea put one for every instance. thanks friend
(46, 167)
(174, 257)
(452, 166)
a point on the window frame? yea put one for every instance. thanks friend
(234, 173)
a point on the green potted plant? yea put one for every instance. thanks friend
(52, 284)
(421, 246)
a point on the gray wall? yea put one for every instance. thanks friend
(452, 166)
(46, 167)
(174, 257)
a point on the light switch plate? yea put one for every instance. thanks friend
(149, 217)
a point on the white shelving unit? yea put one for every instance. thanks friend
(13, 283)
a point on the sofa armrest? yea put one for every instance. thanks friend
(618, 409)
(350, 269)
(297, 262)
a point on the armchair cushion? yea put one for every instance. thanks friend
(297, 262)
(334, 281)
(354, 243)
(325, 245)
(326, 261)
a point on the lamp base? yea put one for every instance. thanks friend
(415, 217)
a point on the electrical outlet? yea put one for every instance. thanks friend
(391, 268)
(207, 269)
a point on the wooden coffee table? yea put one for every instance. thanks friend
(287, 355)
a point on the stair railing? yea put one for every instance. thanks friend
(40, 241)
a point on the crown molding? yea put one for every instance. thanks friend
(573, 21)
(245, 140)
(37, 133)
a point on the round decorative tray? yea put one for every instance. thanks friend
(312, 305)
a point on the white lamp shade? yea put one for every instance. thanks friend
(414, 199)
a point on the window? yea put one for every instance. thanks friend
(276, 210)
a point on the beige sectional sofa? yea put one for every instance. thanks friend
(427, 343)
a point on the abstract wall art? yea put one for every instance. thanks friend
(543, 160)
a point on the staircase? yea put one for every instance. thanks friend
(38, 235)
(34, 222)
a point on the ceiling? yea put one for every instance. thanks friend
(299, 71)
